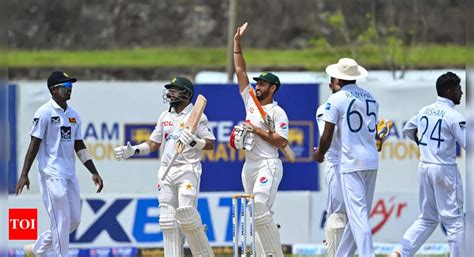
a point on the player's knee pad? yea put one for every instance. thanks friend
(190, 223)
(267, 231)
(173, 243)
(168, 218)
(335, 225)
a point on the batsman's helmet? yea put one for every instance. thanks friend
(181, 83)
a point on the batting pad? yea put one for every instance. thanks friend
(334, 228)
(267, 231)
(190, 223)
(171, 236)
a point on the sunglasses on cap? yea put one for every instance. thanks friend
(65, 84)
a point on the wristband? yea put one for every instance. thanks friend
(143, 149)
(84, 155)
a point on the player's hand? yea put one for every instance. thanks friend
(270, 123)
(22, 182)
(124, 152)
(98, 182)
(240, 31)
(189, 139)
(247, 125)
(383, 130)
(317, 156)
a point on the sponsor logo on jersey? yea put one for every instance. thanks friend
(263, 180)
(35, 121)
(328, 106)
(462, 124)
(72, 120)
(283, 125)
(167, 123)
(65, 133)
(55, 119)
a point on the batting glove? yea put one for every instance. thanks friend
(124, 152)
(191, 140)
(248, 126)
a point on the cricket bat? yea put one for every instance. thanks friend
(191, 124)
(286, 151)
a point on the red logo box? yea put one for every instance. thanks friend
(23, 224)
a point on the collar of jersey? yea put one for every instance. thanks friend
(270, 105)
(446, 101)
(54, 104)
(350, 85)
(186, 109)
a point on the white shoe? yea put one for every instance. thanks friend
(28, 249)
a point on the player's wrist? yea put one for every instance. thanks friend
(198, 143)
(141, 149)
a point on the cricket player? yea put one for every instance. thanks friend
(335, 210)
(436, 128)
(262, 171)
(178, 191)
(353, 111)
(56, 138)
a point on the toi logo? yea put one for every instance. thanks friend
(23, 224)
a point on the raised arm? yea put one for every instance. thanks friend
(239, 62)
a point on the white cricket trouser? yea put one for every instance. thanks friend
(62, 200)
(358, 191)
(180, 188)
(262, 178)
(441, 199)
(335, 200)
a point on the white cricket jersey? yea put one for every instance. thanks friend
(333, 155)
(261, 148)
(58, 129)
(439, 127)
(354, 111)
(168, 130)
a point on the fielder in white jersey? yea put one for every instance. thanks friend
(56, 137)
(262, 171)
(335, 210)
(353, 111)
(178, 191)
(436, 128)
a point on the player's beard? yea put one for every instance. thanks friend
(262, 94)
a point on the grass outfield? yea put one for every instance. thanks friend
(434, 56)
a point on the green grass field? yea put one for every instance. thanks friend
(434, 56)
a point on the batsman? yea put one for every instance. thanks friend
(262, 171)
(179, 174)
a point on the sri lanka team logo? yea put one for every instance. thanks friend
(138, 133)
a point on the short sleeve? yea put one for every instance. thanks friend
(410, 128)
(246, 96)
(40, 124)
(331, 110)
(78, 135)
(157, 134)
(458, 127)
(204, 131)
(281, 124)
